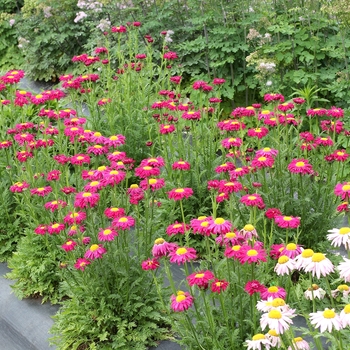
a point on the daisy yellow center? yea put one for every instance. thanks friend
(179, 190)
(40, 189)
(328, 314)
(80, 157)
(318, 257)
(258, 336)
(114, 209)
(112, 138)
(275, 314)
(166, 126)
(346, 188)
(97, 146)
(257, 130)
(133, 186)
(152, 181)
(67, 110)
(265, 112)
(234, 123)
(120, 163)
(307, 253)
(152, 160)
(94, 247)
(123, 220)
(251, 198)
(340, 153)
(287, 218)
(273, 333)
(344, 230)
(238, 169)
(180, 298)
(283, 259)
(199, 275)
(291, 246)
(219, 221)
(74, 215)
(252, 252)
(202, 217)
(229, 184)
(55, 225)
(177, 226)
(39, 96)
(87, 194)
(232, 139)
(190, 112)
(97, 134)
(94, 183)
(107, 232)
(250, 108)
(54, 202)
(278, 302)
(19, 184)
(272, 289)
(261, 159)
(181, 251)
(343, 287)
(74, 119)
(347, 309)
(114, 172)
(205, 224)
(73, 228)
(224, 165)
(74, 129)
(249, 228)
(69, 243)
(236, 248)
(159, 241)
(299, 164)
(230, 235)
(84, 76)
(297, 339)
(181, 162)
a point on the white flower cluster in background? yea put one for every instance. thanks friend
(22, 42)
(80, 15)
(47, 11)
(104, 25)
(168, 35)
(90, 5)
(268, 67)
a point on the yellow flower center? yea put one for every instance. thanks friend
(219, 221)
(40, 189)
(133, 186)
(159, 241)
(236, 248)
(54, 202)
(97, 134)
(273, 333)
(275, 314)
(297, 339)
(318, 257)
(272, 289)
(262, 159)
(278, 302)
(152, 181)
(251, 198)
(291, 246)
(252, 252)
(249, 227)
(177, 225)
(123, 220)
(55, 225)
(232, 139)
(199, 275)
(94, 247)
(307, 253)
(69, 242)
(180, 298)
(283, 259)
(74, 215)
(202, 217)
(97, 146)
(344, 230)
(87, 194)
(80, 157)
(340, 153)
(107, 232)
(152, 160)
(299, 164)
(258, 336)
(181, 251)
(346, 188)
(328, 314)
(287, 218)
(230, 235)
(347, 309)
(179, 190)
(94, 183)
(205, 224)
(343, 287)
(265, 111)
(114, 172)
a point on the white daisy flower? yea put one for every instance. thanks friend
(303, 259)
(343, 289)
(278, 320)
(257, 341)
(274, 338)
(344, 270)
(345, 316)
(299, 344)
(326, 320)
(319, 265)
(314, 292)
(284, 266)
(340, 236)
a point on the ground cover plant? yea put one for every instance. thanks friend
(118, 172)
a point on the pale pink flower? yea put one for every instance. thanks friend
(284, 266)
(344, 269)
(339, 237)
(259, 341)
(326, 320)
(276, 319)
(299, 344)
(319, 265)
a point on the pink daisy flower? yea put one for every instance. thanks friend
(95, 251)
(162, 248)
(344, 269)
(69, 245)
(326, 320)
(230, 186)
(154, 162)
(75, 218)
(345, 316)
(200, 279)
(55, 205)
(225, 167)
(81, 263)
(180, 193)
(258, 132)
(93, 186)
(68, 190)
(233, 252)
(219, 226)
(266, 161)
(271, 213)
(19, 187)
(181, 165)
(291, 250)
(150, 264)
(55, 228)
(181, 301)
(253, 200)
(113, 177)
(41, 229)
(166, 129)
(339, 237)
(80, 159)
(251, 255)
(319, 265)
(107, 234)
(85, 199)
(273, 292)
(284, 266)
(239, 172)
(146, 171)
(182, 255)
(342, 190)
(287, 221)
(41, 191)
(177, 228)
(201, 225)
(114, 140)
(114, 212)
(218, 286)
(232, 142)
(153, 184)
(254, 286)
(300, 166)
(123, 222)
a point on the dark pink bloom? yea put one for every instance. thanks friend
(181, 165)
(200, 279)
(95, 251)
(166, 129)
(181, 301)
(41, 229)
(176, 228)
(300, 166)
(146, 171)
(180, 193)
(258, 132)
(85, 199)
(273, 292)
(219, 226)
(80, 159)
(55, 228)
(114, 212)
(41, 191)
(55, 205)
(271, 213)
(265, 161)
(250, 255)
(53, 175)
(170, 55)
(123, 222)
(218, 286)
(287, 221)
(81, 263)
(107, 234)
(254, 286)
(182, 255)
(253, 200)
(232, 142)
(150, 264)
(19, 187)
(154, 162)
(69, 245)
(162, 248)
(75, 218)
(342, 190)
